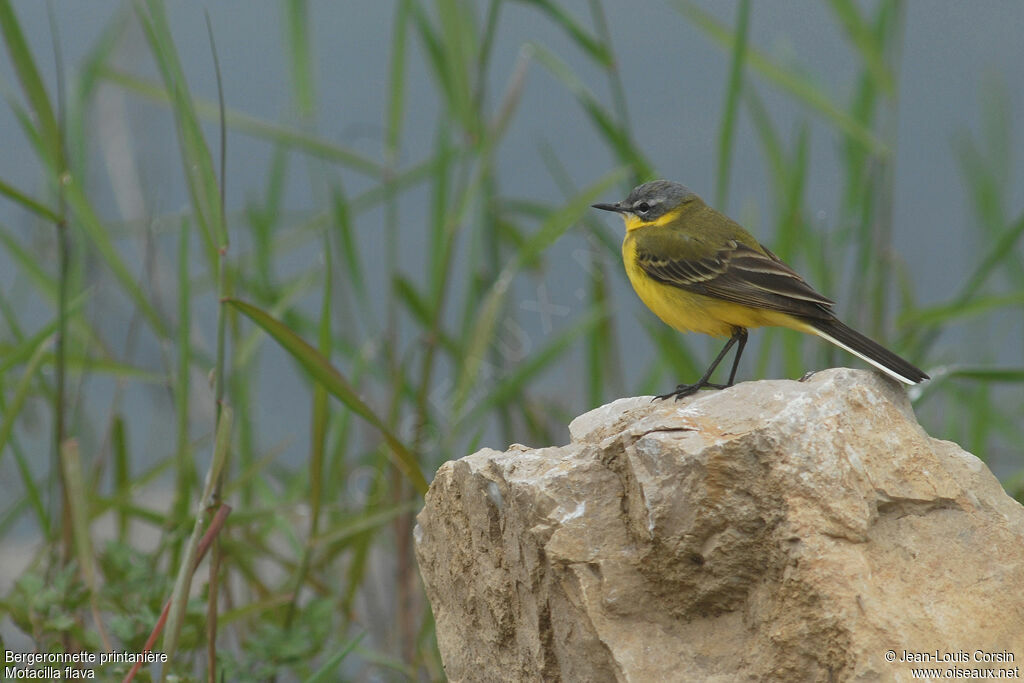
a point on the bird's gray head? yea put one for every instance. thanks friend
(650, 201)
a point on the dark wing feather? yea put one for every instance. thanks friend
(742, 275)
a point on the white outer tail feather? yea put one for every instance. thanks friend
(889, 371)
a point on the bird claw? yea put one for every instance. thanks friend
(684, 390)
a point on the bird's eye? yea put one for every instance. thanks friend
(643, 207)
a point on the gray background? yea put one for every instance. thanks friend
(956, 58)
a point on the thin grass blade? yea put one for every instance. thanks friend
(801, 88)
(321, 370)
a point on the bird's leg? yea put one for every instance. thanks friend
(741, 333)
(684, 390)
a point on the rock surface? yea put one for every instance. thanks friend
(777, 530)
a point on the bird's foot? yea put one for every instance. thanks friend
(684, 390)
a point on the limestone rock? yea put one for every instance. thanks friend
(777, 530)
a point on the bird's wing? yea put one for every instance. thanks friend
(735, 272)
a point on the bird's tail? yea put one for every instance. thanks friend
(856, 343)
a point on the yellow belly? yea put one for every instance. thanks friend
(690, 312)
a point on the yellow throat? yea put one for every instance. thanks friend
(634, 222)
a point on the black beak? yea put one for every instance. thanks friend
(617, 208)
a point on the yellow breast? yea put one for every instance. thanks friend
(691, 312)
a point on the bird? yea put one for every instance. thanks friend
(700, 271)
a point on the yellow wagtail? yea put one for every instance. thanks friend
(699, 271)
